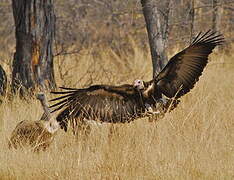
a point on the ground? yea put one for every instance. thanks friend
(194, 141)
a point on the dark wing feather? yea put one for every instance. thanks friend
(184, 69)
(105, 103)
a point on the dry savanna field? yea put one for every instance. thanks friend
(194, 141)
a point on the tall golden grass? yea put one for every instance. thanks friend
(194, 141)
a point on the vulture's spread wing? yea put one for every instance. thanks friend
(105, 103)
(184, 69)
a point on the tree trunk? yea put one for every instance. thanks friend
(156, 18)
(191, 16)
(216, 14)
(3, 81)
(33, 59)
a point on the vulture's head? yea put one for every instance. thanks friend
(40, 96)
(138, 84)
(147, 89)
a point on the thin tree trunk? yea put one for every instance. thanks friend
(216, 14)
(191, 17)
(33, 59)
(3, 81)
(157, 19)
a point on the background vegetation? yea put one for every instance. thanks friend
(106, 42)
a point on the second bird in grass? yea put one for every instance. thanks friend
(35, 134)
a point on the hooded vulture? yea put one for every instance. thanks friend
(35, 134)
(124, 103)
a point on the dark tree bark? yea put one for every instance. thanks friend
(33, 59)
(157, 18)
(3, 81)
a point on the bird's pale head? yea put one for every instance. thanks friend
(138, 84)
(40, 96)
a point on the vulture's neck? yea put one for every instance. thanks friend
(149, 90)
(46, 109)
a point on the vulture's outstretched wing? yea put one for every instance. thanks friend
(105, 103)
(184, 69)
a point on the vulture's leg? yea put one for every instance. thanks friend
(156, 111)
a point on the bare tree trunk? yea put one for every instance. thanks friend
(191, 18)
(3, 81)
(33, 59)
(156, 18)
(216, 14)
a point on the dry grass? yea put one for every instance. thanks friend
(195, 141)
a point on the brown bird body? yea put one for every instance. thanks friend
(124, 103)
(31, 133)
(36, 134)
